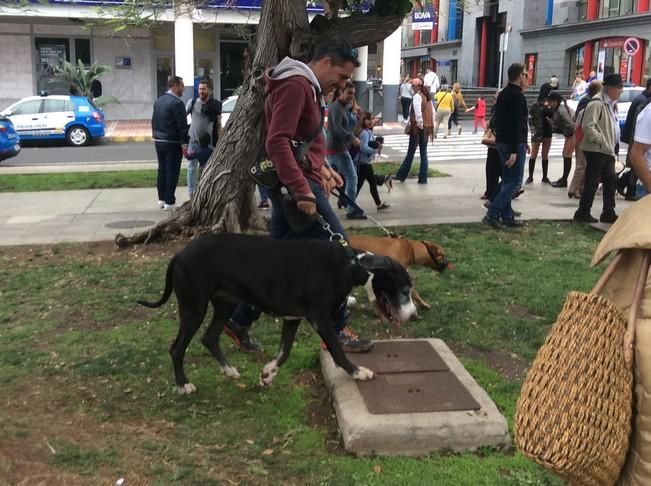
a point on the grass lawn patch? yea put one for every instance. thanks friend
(66, 181)
(88, 381)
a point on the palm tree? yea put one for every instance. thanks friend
(80, 79)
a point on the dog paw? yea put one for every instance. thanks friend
(363, 374)
(186, 389)
(425, 305)
(231, 372)
(268, 374)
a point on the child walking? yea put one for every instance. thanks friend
(368, 149)
(480, 114)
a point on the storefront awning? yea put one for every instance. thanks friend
(418, 52)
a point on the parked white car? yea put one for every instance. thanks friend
(624, 103)
(228, 105)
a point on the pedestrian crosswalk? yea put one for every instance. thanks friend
(456, 147)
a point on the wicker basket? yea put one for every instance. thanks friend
(574, 412)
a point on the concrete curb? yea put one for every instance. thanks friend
(414, 434)
(127, 138)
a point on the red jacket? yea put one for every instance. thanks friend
(293, 112)
(480, 111)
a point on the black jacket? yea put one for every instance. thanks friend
(511, 115)
(169, 122)
(627, 129)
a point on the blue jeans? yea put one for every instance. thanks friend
(415, 139)
(193, 170)
(511, 179)
(245, 314)
(344, 164)
(169, 167)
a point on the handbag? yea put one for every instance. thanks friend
(573, 415)
(488, 138)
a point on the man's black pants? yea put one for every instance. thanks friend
(169, 167)
(599, 167)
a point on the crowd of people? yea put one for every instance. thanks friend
(591, 136)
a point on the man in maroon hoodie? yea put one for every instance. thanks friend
(293, 109)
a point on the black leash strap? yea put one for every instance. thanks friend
(339, 193)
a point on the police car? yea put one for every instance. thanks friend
(9, 139)
(75, 119)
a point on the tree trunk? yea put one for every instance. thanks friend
(224, 200)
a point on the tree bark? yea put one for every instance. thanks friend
(224, 199)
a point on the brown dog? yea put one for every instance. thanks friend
(405, 252)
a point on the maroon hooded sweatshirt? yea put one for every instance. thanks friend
(293, 112)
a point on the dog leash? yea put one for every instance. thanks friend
(341, 194)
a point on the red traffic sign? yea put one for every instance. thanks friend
(631, 46)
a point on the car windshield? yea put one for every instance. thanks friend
(229, 105)
(629, 95)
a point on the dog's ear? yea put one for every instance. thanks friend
(373, 263)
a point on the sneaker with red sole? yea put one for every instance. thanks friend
(351, 342)
(240, 335)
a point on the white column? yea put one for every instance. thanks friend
(218, 68)
(360, 76)
(361, 73)
(184, 51)
(443, 19)
(391, 75)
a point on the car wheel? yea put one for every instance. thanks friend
(78, 136)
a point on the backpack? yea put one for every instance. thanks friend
(578, 125)
(628, 130)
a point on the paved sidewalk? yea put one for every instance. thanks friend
(98, 214)
(122, 131)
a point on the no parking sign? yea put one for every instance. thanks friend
(631, 46)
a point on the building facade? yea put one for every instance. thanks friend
(565, 38)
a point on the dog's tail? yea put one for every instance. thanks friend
(168, 288)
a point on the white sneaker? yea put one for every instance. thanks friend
(161, 204)
(170, 207)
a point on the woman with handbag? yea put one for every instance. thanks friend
(419, 128)
(541, 133)
(563, 122)
(493, 169)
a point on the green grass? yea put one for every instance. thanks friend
(87, 370)
(67, 181)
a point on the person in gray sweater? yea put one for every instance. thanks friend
(339, 138)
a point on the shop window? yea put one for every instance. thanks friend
(583, 9)
(82, 51)
(616, 8)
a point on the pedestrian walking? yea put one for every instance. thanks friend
(205, 119)
(339, 136)
(444, 103)
(511, 130)
(600, 129)
(170, 134)
(578, 179)
(479, 114)
(628, 132)
(406, 94)
(420, 127)
(640, 152)
(459, 102)
(431, 80)
(541, 133)
(493, 166)
(368, 149)
(563, 122)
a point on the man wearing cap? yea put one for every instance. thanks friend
(600, 135)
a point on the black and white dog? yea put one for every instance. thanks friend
(292, 279)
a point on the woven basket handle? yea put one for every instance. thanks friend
(629, 337)
(609, 272)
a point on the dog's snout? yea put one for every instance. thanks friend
(443, 264)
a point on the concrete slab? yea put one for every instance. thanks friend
(414, 434)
